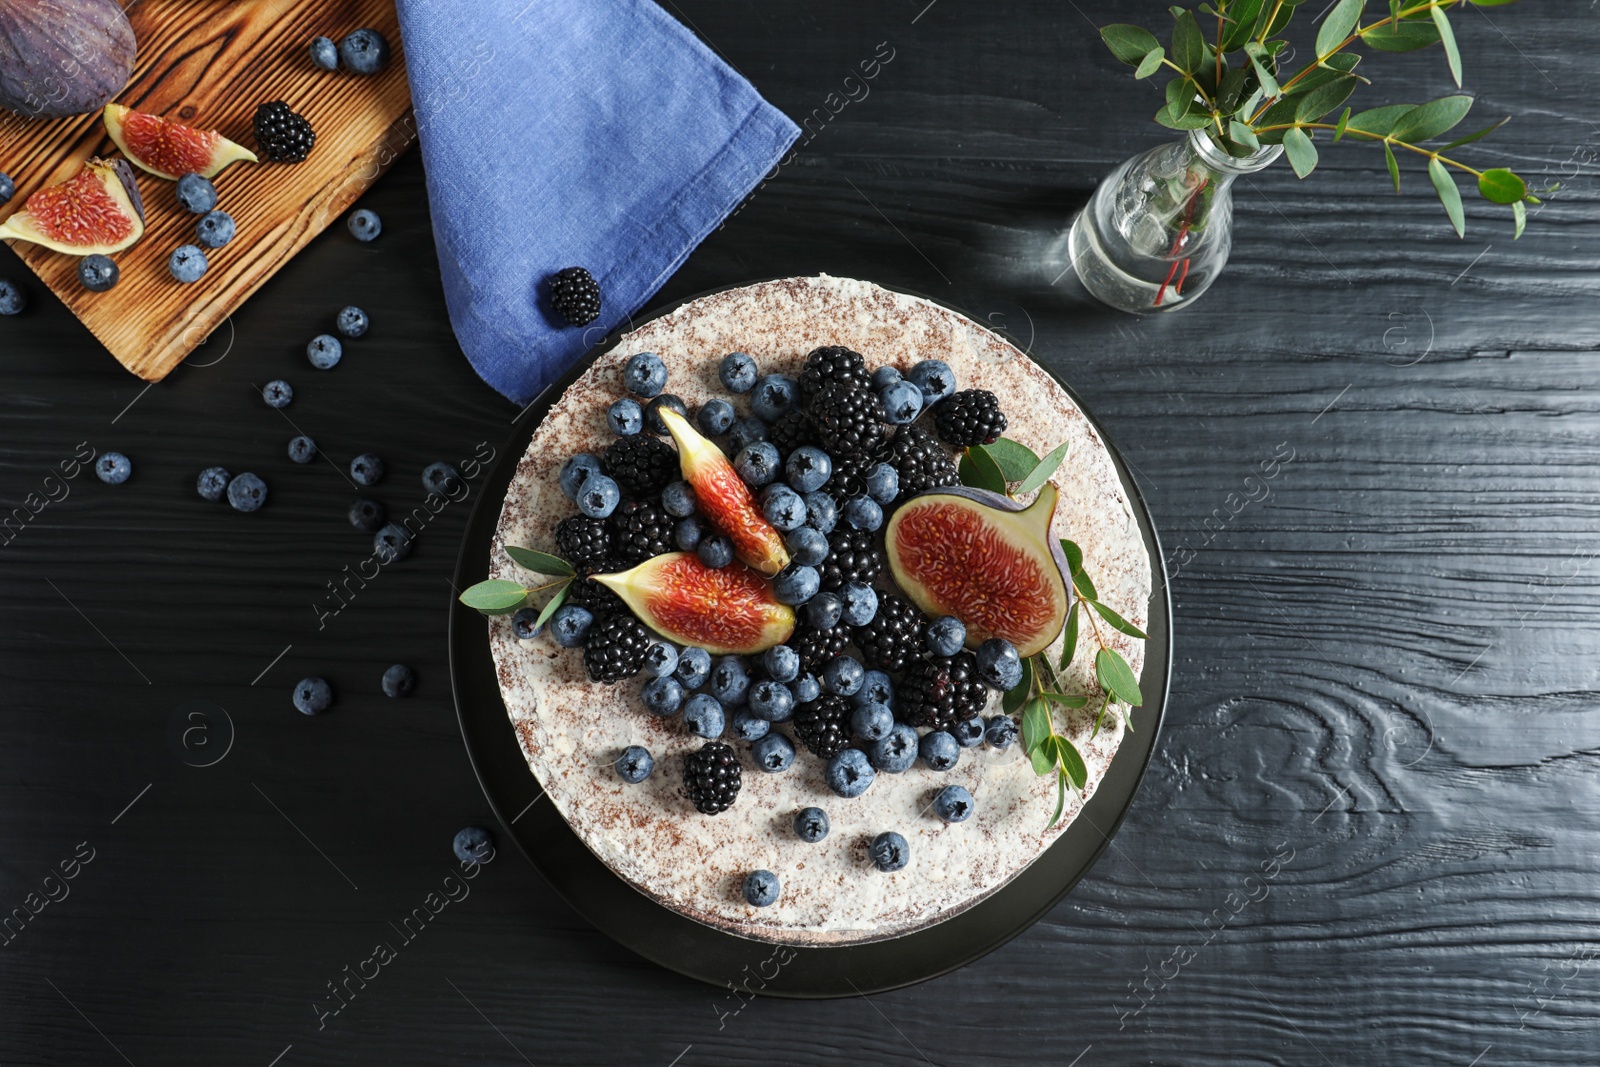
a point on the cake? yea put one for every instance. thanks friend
(573, 729)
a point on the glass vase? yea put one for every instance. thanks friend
(1157, 231)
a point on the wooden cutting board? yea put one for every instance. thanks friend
(208, 65)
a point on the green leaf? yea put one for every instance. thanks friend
(1150, 63)
(1315, 75)
(1243, 135)
(1431, 119)
(979, 470)
(1041, 473)
(1258, 62)
(1244, 14)
(1116, 677)
(1018, 694)
(539, 562)
(1476, 135)
(1035, 724)
(1188, 44)
(1119, 622)
(1193, 121)
(1338, 25)
(1324, 99)
(1379, 120)
(1066, 700)
(555, 602)
(1519, 212)
(1279, 114)
(496, 596)
(1393, 164)
(1180, 96)
(1452, 54)
(1084, 585)
(1061, 800)
(1232, 92)
(1338, 131)
(1449, 194)
(1129, 43)
(1014, 460)
(1069, 644)
(1074, 555)
(1502, 186)
(1071, 762)
(1404, 36)
(1301, 152)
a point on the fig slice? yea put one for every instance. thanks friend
(170, 149)
(724, 499)
(986, 559)
(98, 210)
(726, 611)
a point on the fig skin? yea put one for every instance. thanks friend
(63, 57)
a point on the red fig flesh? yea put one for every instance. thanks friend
(170, 149)
(724, 499)
(98, 210)
(726, 611)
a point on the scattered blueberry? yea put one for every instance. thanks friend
(783, 507)
(694, 667)
(98, 273)
(897, 752)
(247, 492)
(935, 379)
(187, 264)
(365, 225)
(807, 546)
(570, 625)
(746, 432)
(757, 464)
(771, 701)
(939, 750)
(277, 393)
(805, 688)
(686, 534)
(660, 659)
(704, 715)
(883, 484)
(112, 468)
(953, 804)
(678, 500)
(391, 543)
(822, 512)
(774, 753)
(215, 229)
(662, 696)
(824, 610)
(196, 194)
(525, 624)
(324, 53)
(398, 681)
(364, 51)
(324, 351)
(969, 734)
(1001, 731)
(8, 189)
(212, 483)
(761, 888)
(635, 764)
(998, 665)
(748, 727)
(599, 497)
(811, 825)
(474, 844)
(737, 371)
(774, 395)
(13, 298)
(644, 375)
(715, 552)
(850, 773)
(781, 663)
(902, 403)
(843, 675)
(890, 852)
(714, 417)
(860, 603)
(946, 635)
(876, 688)
(796, 584)
(729, 681)
(809, 468)
(871, 722)
(576, 471)
(863, 513)
(885, 376)
(366, 469)
(441, 478)
(302, 449)
(652, 412)
(312, 696)
(367, 514)
(351, 321)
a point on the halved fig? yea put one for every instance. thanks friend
(96, 211)
(987, 560)
(724, 499)
(726, 611)
(170, 149)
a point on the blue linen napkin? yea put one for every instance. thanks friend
(561, 133)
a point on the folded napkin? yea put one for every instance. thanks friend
(561, 133)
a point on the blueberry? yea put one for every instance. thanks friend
(969, 734)
(215, 229)
(939, 750)
(635, 764)
(600, 496)
(247, 492)
(625, 417)
(302, 449)
(365, 225)
(850, 773)
(746, 432)
(714, 417)
(998, 665)
(652, 412)
(196, 194)
(889, 852)
(686, 534)
(781, 663)
(822, 512)
(824, 610)
(953, 804)
(391, 543)
(662, 696)
(212, 483)
(704, 715)
(715, 551)
(871, 722)
(783, 507)
(694, 667)
(187, 264)
(525, 624)
(8, 188)
(863, 513)
(324, 53)
(677, 500)
(576, 471)
(367, 514)
(805, 688)
(860, 603)
(757, 464)
(843, 675)
(901, 403)
(277, 393)
(398, 681)
(761, 889)
(351, 322)
(13, 298)
(570, 625)
(796, 584)
(747, 727)
(729, 680)
(737, 372)
(366, 469)
(441, 478)
(644, 375)
(365, 51)
(112, 468)
(773, 753)
(312, 696)
(884, 377)
(98, 273)
(774, 395)
(811, 825)
(324, 351)
(946, 635)
(806, 546)
(876, 688)
(897, 752)
(771, 701)
(660, 659)
(474, 844)
(809, 468)
(883, 484)
(936, 380)
(1001, 731)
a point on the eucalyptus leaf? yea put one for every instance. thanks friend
(1043, 759)
(1116, 677)
(1338, 24)
(1150, 63)
(1061, 799)
(1181, 122)
(1045, 468)
(1180, 97)
(1243, 14)
(1393, 165)
(1325, 99)
(1066, 700)
(1015, 460)
(1449, 195)
(1071, 762)
(1401, 36)
(1129, 43)
(539, 562)
(555, 602)
(1338, 131)
(1069, 644)
(1118, 622)
(1301, 152)
(1258, 62)
(1018, 694)
(1084, 585)
(1519, 212)
(1243, 135)
(979, 470)
(496, 596)
(1502, 186)
(1379, 120)
(1188, 44)
(1074, 555)
(1476, 135)
(1452, 54)
(1431, 119)
(1315, 75)
(1035, 725)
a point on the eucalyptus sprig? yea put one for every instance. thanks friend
(501, 596)
(1231, 87)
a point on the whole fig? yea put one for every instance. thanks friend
(63, 57)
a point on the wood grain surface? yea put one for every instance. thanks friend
(208, 65)
(1371, 830)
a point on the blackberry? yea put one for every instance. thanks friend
(921, 461)
(588, 593)
(940, 692)
(834, 363)
(970, 417)
(846, 419)
(816, 646)
(894, 636)
(584, 543)
(850, 471)
(616, 647)
(640, 530)
(576, 295)
(791, 430)
(823, 725)
(712, 777)
(641, 465)
(852, 557)
(283, 135)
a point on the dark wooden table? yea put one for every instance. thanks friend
(1371, 829)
